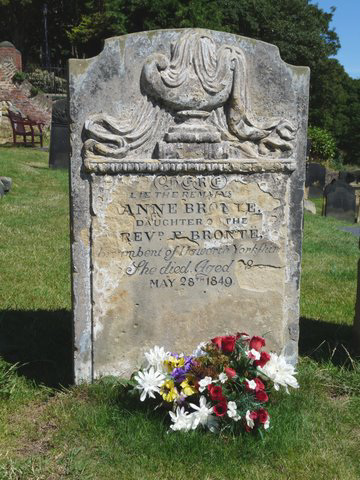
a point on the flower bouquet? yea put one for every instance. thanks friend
(224, 384)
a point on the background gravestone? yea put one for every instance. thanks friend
(315, 179)
(60, 135)
(347, 177)
(187, 180)
(340, 201)
(331, 175)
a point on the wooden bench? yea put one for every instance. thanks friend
(24, 127)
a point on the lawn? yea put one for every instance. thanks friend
(48, 431)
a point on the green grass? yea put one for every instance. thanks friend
(93, 432)
(328, 271)
(34, 229)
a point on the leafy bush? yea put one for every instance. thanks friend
(323, 146)
(42, 81)
(34, 91)
(19, 77)
(46, 81)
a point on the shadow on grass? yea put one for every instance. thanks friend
(41, 342)
(325, 341)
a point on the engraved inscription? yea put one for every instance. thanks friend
(185, 231)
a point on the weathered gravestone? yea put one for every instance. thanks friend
(60, 135)
(340, 201)
(347, 177)
(315, 180)
(187, 181)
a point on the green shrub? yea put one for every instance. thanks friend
(46, 81)
(19, 77)
(34, 91)
(42, 80)
(323, 146)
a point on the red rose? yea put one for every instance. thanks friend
(262, 415)
(261, 396)
(220, 409)
(228, 344)
(259, 385)
(217, 341)
(257, 343)
(230, 372)
(264, 358)
(253, 416)
(216, 394)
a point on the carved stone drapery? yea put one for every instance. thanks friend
(204, 89)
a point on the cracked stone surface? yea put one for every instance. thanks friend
(186, 205)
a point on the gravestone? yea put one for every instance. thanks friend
(187, 181)
(347, 177)
(356, 187)
(331, 175)
(340, 201)
(60, 135)
(315, 180)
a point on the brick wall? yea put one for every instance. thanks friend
(8, 51)
(19, 95)
(7, 71)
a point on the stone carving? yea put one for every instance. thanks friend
(204, 88)
(111, 137)
(186, 195)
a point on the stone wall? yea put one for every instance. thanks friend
(11, 56)
(18, 95)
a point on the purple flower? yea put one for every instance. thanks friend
(179, 373)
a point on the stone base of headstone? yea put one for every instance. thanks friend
(309, 206)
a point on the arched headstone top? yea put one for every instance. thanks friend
(187, 177)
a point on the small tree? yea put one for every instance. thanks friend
(323, 146)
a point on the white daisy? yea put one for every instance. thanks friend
(280, 372)
(249, 421)
(202, 414)
(204, 382)
(149, 381)
(199, 352)
(156, 356)
(232, 411)
(251, 384)
(182, 420)
(253, 354)
(223, 377)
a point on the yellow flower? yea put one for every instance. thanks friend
(173, 362)
(188, 386)
(168, 391)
